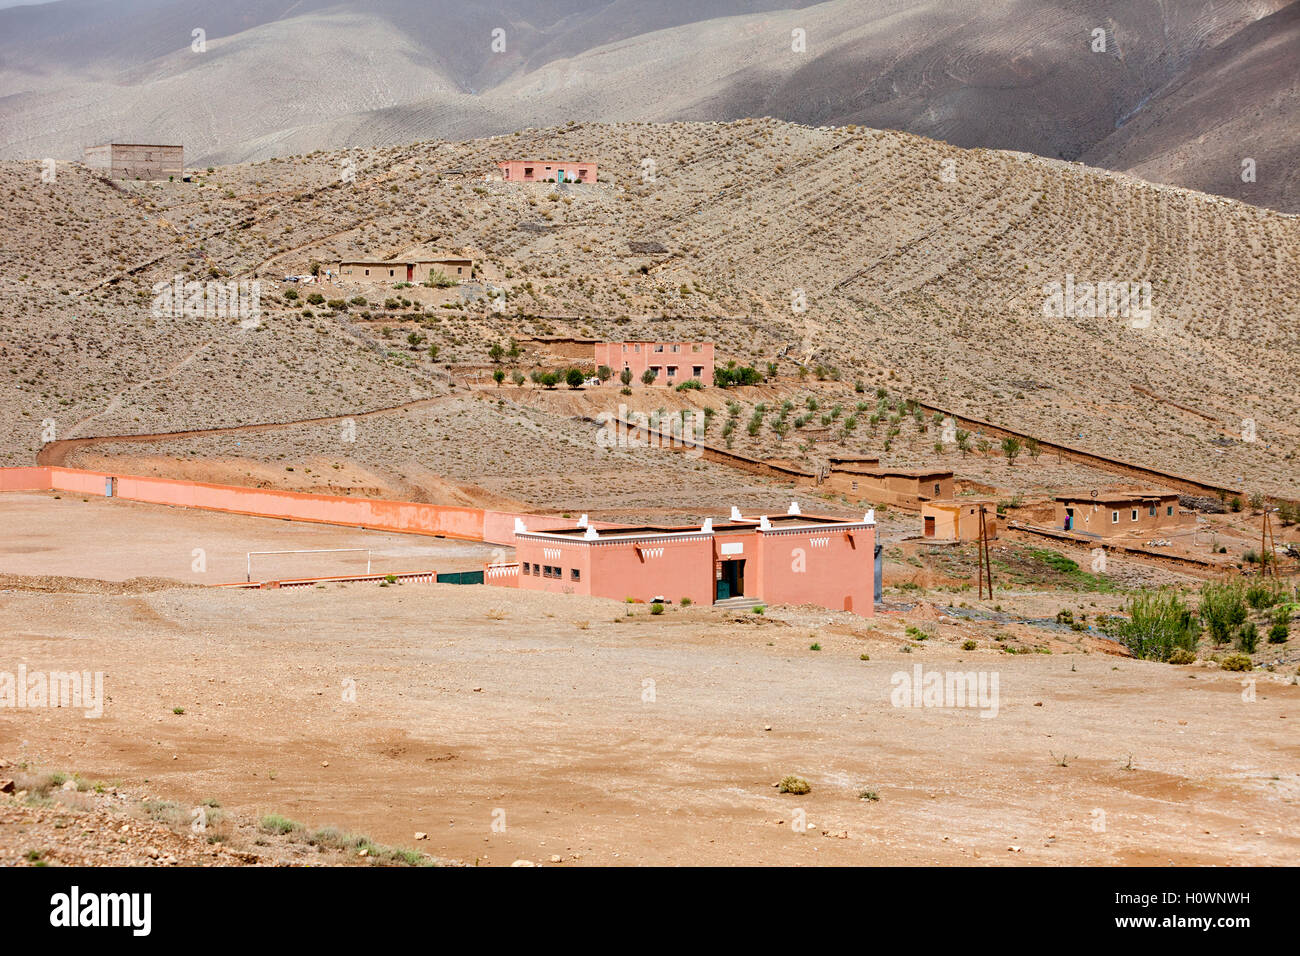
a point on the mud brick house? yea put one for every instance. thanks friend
(136, 160)
(958, 520)
(792, 558)
(415, 266)
(672, 362)
(540, 171)
(865, 479)
(1110, 513)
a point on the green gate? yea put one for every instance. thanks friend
(461, 577)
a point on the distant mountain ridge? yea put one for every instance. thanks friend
(277, 77)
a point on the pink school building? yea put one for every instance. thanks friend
(535, 171)
(672, 362)
(786, 559)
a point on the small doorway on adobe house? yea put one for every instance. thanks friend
(410, 272)
(929, 526)
(732, 582)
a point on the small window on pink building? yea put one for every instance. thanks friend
(575, 575)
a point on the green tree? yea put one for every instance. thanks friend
(648, 377)
(1280, 631)
(625, 377)
(1222, 609)
(574, 378)
(1248, 637)
(499, 376)
(1011, 448)
(1158, 625)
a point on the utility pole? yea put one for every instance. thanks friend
(1267, 546)
(985, 569)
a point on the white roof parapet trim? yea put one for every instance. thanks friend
(848, 525)
(519, 526)
(582, 522)
(613, 536)
(736, 515)
(707, 527)
(869, 517)
(764, 524)
(794, 509)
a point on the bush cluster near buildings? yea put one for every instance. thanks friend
(1160, 627)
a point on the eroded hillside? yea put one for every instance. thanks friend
(891, 259)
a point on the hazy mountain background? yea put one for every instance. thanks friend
(1184, 91)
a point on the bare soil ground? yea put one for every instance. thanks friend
(113, 540)
(600, 734)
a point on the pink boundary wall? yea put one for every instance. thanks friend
(407, 517)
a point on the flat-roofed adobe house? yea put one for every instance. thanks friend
(958, 520)
(545, 171)
(1115, 512)
(792, 558)
(864, 478)
(415, 266)
(136, 160)
(672, 362)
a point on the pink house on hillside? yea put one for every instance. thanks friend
(672, 362)
(538, 171)
(786, 559)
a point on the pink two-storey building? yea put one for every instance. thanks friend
(672, 362)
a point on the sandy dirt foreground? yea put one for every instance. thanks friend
(596, 737)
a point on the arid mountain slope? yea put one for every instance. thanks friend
(899, 261)
(279, 77)
(1238, 101)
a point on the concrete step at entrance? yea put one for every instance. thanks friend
(738, 603)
